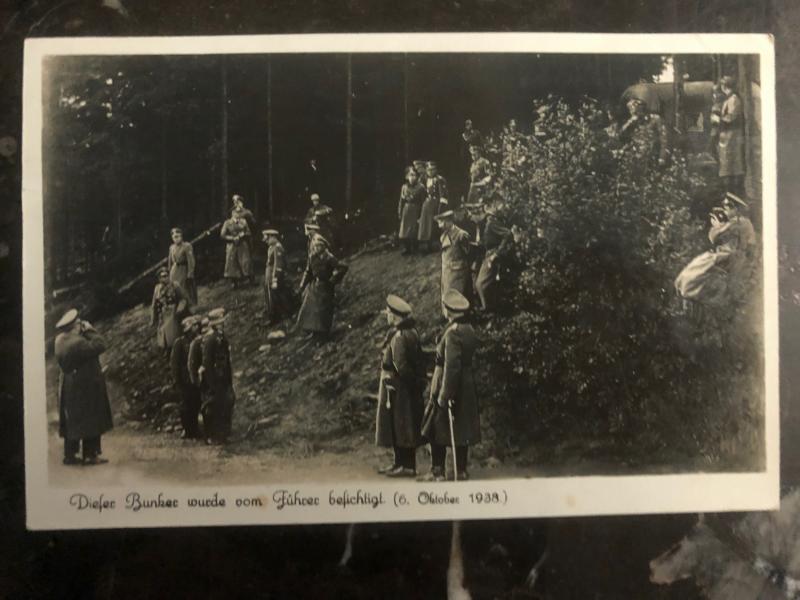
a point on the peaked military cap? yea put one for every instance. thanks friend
(431, 163)
(312, 227)
(734, 198)
(395, 304)
(270, 232)
(190, 322)
(455, 301)
(448, 214)
(315, 196)
(163, 271)
(68, 319)
(175, 230)
(217, 316)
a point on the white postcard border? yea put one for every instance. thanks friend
(48, 507)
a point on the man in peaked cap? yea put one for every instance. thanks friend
(496, 240)
(322, 215)
(731, 144)
(453, 389)
(217, 374)
(435, 202)
(167, 308)
(181, 263)
(402, 382)
(179, 365)
(455, 256)
(277, 296)
(83, 407)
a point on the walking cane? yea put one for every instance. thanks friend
(452, 438)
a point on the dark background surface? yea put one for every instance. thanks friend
(589, 558)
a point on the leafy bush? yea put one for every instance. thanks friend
(593, 345)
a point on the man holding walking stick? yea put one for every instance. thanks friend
(452, 415)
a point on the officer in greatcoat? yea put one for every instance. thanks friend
(731, 138)
(496, 239)
(412, 196)
(277, 295)
(236, 233)
(242, 212)
(195, 357)
(323, 272)
(398, 419)
(187, 390)
(480, 175)
(453, 392)
(435, 202)
(83, 406)
(168, 307)
(217, 375)
(180, 263)
(455, 244)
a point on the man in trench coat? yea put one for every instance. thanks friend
(277, 296)
(323, 272)
(168, 307)
(236, 233)
(399, 416)
(412, 196)
(188, 391)
(453, 388)
(435, 202)
(83, 406)
(731, 138)
(217, 374)
(180, 263)
(456, 248)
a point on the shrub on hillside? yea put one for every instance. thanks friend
(593, 345)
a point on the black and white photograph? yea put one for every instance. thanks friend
(349, 278)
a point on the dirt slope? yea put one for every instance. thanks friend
(293, 397)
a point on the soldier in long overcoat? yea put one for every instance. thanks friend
(480, 175)
(435, 203)
(83, 406)
(195, 356)
(412, 196)
(323, 272)
(277, 295)
(217, 374)
(187, 390)
(180, 262)
(398, 418)
(496, 240)
(168, 307)
(453, 390)
(731, 138)
(235, 231)
(241, 211)
(455, 256)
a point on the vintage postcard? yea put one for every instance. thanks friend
(343, 278)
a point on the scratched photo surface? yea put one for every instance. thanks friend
(384, 268)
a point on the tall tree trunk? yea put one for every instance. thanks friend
(224, 140)
(348, 192)
(752, 135)
(679, 126)
(270, 197)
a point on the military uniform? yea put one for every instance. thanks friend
(453, 385)
(731, 143)
(455, 261)
(83, 406)
(180, 262)
(218, 396)
(323, 272)
(495, 239)
(399, 414)
(322, 215)
(167, 309)
(277, 296)
(436, 189)
(236, 232)
(412, 197)
(188, 391)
